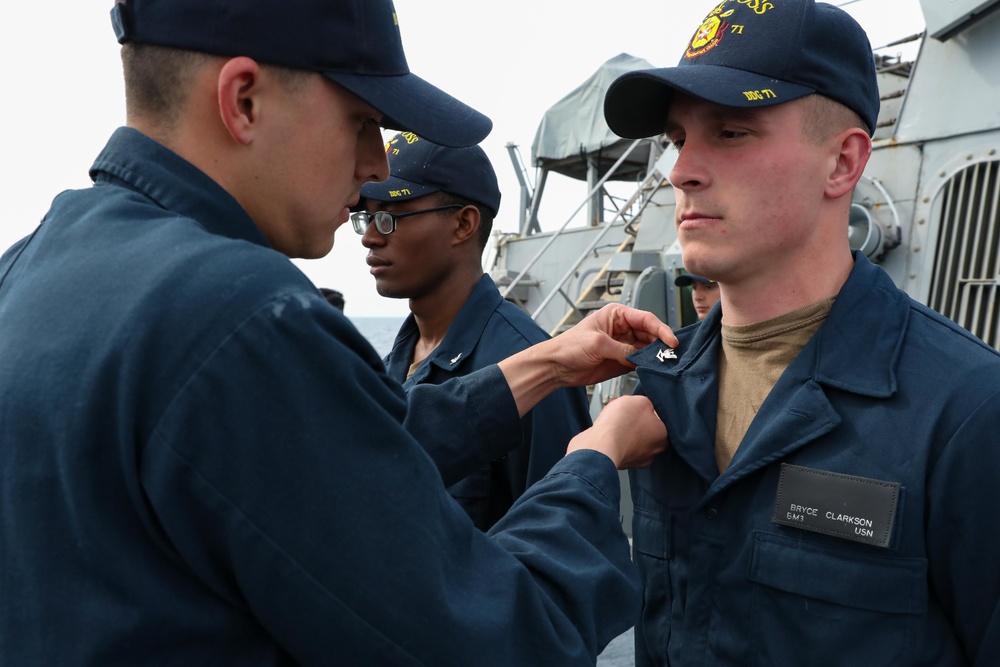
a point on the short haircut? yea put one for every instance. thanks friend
(825, 118)
(156, 79)
(334, 297)
(485, 217)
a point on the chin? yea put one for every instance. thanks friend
(386, 293)
(315, 250)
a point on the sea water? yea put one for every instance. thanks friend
(380, 331)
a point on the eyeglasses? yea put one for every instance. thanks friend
(385, 222)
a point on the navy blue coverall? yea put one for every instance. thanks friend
(486, 330)
(886, 390)
(203, 463)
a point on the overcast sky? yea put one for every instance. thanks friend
(62, 92)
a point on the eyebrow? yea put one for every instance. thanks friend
(721, 114)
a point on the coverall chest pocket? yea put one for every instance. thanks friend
(816, 605)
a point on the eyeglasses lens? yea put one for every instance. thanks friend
(383, 222)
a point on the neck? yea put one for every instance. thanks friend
(434, 312)
(785, 289)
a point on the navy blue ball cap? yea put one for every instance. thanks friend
(419, 167)
(355, 43)
(686, 279)
(755, 53)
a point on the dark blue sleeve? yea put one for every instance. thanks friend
(551, 425)
(302, 502)
(465, 423)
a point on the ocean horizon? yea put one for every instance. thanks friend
(380, 331)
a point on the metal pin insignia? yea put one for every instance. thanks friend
(666, 353)
(456, 358)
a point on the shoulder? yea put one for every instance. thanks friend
(934, 321)
(938, 338)
(518, 324)
(499, 317)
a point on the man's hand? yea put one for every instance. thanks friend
(592, 351)
(627, 430)
(595, 349)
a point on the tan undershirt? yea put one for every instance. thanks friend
(751, 359)
(413, 368)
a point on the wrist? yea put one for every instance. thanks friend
(591, 440)
(531, 376)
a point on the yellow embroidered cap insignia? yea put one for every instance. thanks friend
(709, 33)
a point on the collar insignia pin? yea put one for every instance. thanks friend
(456, 358)
(666, 353)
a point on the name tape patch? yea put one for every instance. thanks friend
(853, 508)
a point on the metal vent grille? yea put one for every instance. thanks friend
(966, 279)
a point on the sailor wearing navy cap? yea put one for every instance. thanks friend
(203, 463)
(833, 442)
(704, 292)
(425, 228)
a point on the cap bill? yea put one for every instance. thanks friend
(395, 189)
(411, 104)
(637, 102)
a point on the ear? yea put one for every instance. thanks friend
(852, 148)
(468, 224)
(239, 82)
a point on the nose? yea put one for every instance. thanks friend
(372, 238)
(688, 172)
